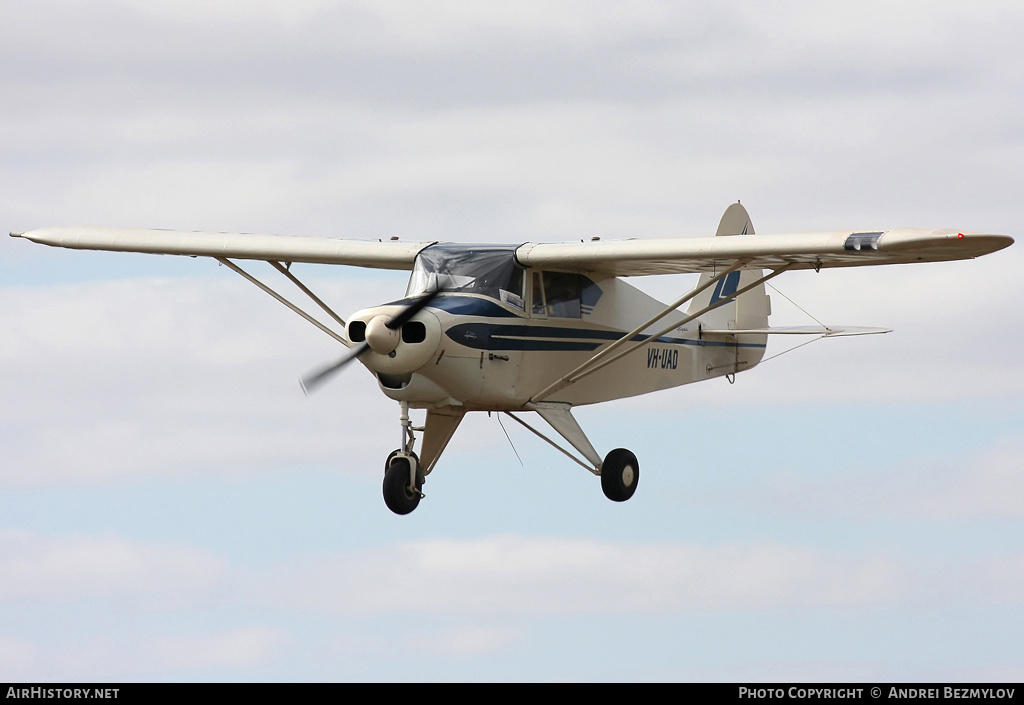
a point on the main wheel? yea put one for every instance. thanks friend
(620, 474)
(397, 494)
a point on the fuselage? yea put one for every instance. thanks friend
(497, 350)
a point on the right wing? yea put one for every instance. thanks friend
(845, 248)
(272, 248)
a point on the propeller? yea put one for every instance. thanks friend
(311, 382)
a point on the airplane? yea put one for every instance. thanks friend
(545, 327)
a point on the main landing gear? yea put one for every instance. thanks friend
(620, 473)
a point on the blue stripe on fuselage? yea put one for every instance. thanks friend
(490, 336)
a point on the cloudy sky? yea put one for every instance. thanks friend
(172, 507)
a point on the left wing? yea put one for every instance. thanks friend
(273, 248)
(794, 251)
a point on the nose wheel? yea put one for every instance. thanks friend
(403, 482)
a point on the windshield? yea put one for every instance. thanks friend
(489, 270)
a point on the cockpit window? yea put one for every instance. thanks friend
(563, 294)
(488, 270)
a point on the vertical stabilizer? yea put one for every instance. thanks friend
(735, 221)
(749, 310)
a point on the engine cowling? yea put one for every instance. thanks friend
(395, 353)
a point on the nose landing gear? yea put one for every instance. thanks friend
(403, 474)
(403, 482)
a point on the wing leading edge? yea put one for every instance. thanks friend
(798, 251)
(275, 248)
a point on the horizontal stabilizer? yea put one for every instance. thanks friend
(829, 331)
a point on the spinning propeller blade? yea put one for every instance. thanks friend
(412, 309)
(309, 383)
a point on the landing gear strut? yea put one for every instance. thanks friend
(403, 475)
(620, 472)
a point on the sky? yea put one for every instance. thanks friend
(172, 508)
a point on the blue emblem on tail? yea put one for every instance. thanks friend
(725, 288)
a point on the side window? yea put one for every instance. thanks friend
(512, 294)
(538, 296)
(563, 294)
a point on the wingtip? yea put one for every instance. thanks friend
(17, 234)
(994, 243)
(986, 243)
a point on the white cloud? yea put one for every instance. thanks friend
(463, 642)
(517, 575)
(64, 568)
(404, 25)
(241, 647)
(114, 658)
(232, 11)
(18, 658)
(983, 485)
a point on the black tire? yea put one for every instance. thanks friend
(397, 495)
(620, 474)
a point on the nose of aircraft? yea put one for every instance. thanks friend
(394, 351)
(381, 339)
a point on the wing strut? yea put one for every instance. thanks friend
(302, 287)
(341, 339)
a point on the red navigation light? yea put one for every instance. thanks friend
(959, 236)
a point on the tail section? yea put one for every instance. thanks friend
(747, 311)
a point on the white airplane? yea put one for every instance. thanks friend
(544, 327)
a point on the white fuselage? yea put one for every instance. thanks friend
(480, 353)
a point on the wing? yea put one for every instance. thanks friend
(615, 258)
(798, 251)
(275, 248)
